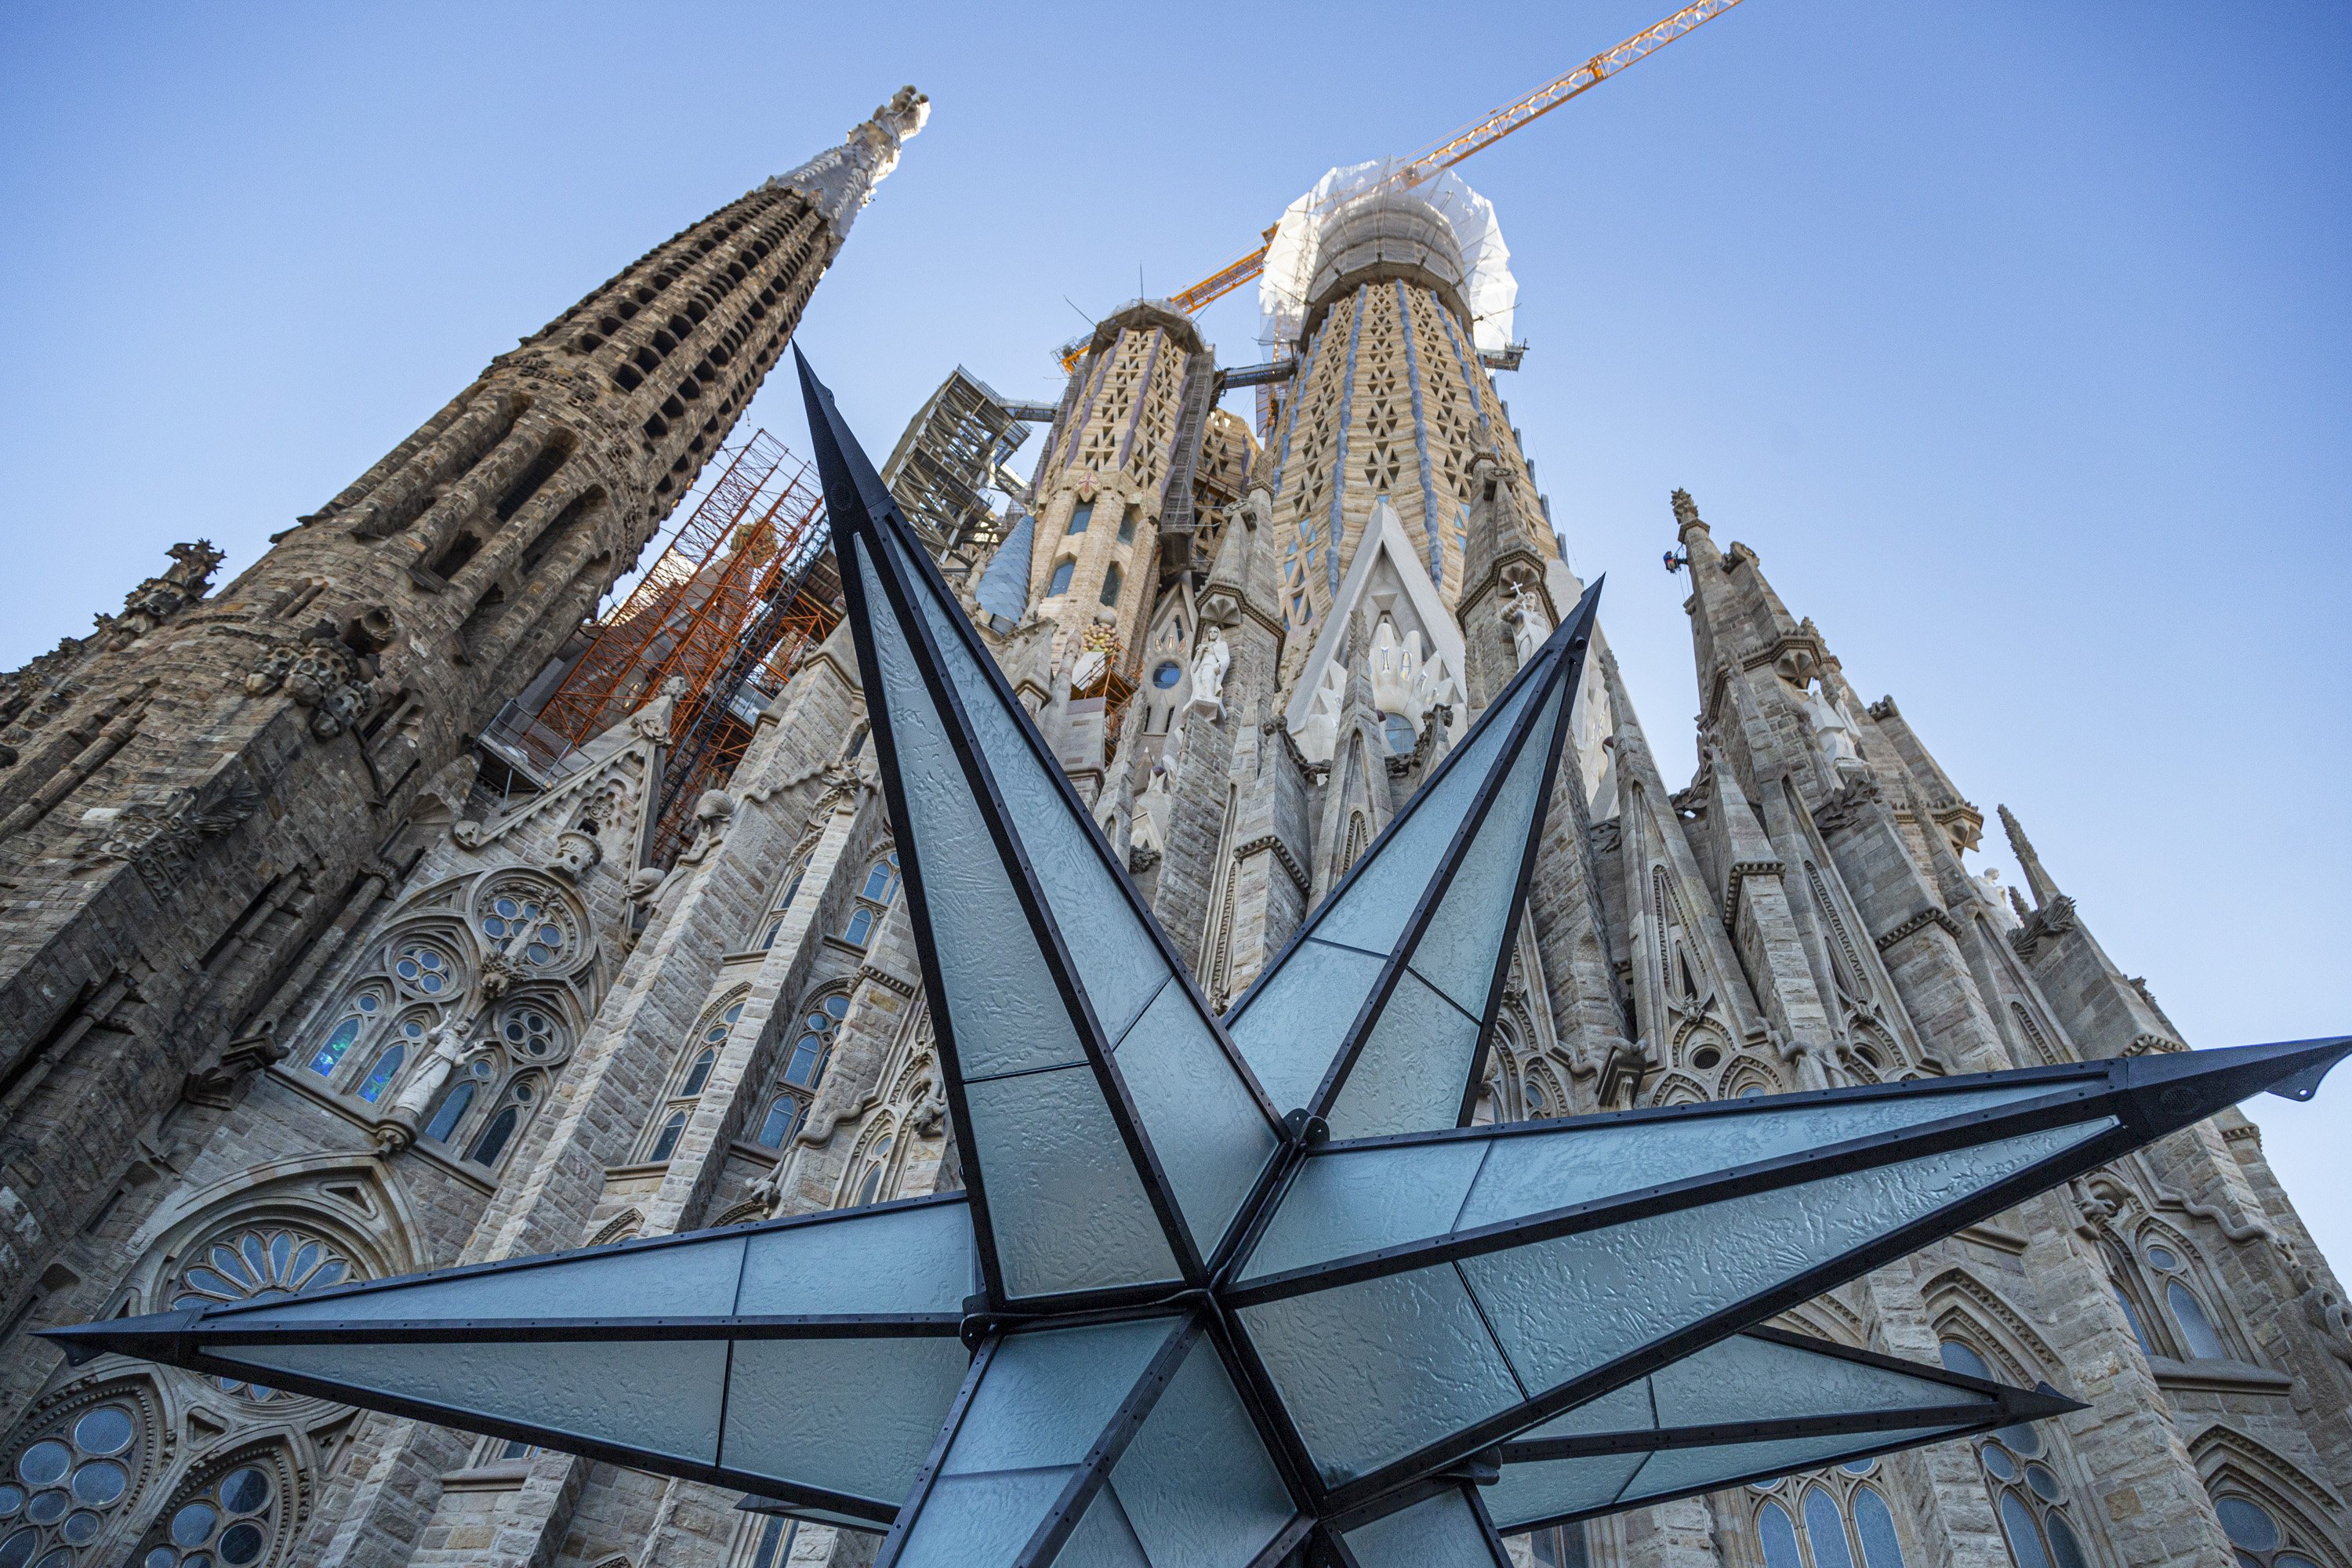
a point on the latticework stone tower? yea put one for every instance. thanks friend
(197, 795)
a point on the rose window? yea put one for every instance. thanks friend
(228, 1523)
(59, 1492)
(258, 1266)
(425, 968)
(525, 927)
(529, 1031)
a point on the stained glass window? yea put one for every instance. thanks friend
(227, 1523)
(60, 1489)
(258, 1264)
(331, 1049)
(524, 924)
(454, 1106)
(425, 969)
(387, 1067)
(1832, 1519)
(2255, 1536)
(2027, 1493)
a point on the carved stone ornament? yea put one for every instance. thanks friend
(331, 672)
(162, 841)
(215, 1086)
(158, 599)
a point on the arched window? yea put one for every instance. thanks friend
(666, 1144)
(1080, 516)
(454, 1106)
(525, 923)
(874, 900)
(501, 1130)
(1561, 1546)
(2193, 1325)
(785, 1113)
(771, 1543)
(2026, 1491)
(1060, 582)
(804, 1066)
(877, 1167)
(2255, 1536)
(699, 1074)
(339, 1039)
(1113, 581)
(227, 1519)
(63, 1487)
(1833, 1519)
(387, 1067)
(783, 901)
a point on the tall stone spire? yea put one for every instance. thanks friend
(230, 770)
(2045, 889)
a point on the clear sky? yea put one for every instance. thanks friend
(2012, 337)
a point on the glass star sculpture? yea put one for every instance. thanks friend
(1218, 1291)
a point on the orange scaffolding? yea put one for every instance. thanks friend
(745, 587)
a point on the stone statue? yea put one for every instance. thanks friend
(1996, 897)
(1209, 668)
(1524, 614)
(445, 1047)
(1835, 735)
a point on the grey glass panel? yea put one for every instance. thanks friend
(1196, 1482)
(1292, 1029)
(1370, 912)
(1103, 1538)
(1117, 962)
(1068, 1208)
(1456, 953)
(1744, 1379)
(902, 1261)
(1203, 1123)
(1047, 1395)
(1531, 1173)
(1529, 1494)
(1006, 1012)
(1630, 1408)
(1410, 1075)
(1374, 1370)
(1565, 1307)
(688, 1280)
(660, 1396)
(1673, 1471)
(968, 1520)
(850, 1415)
(1435, 1532)
(1344, 1202)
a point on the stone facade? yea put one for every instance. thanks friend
(341, 1010)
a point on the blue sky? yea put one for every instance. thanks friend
(2013, 338)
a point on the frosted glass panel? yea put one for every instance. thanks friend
(1626, 1409)
(1532, 1172)
(661, 1396)
(1374, 1370)
(1103, 1538)
(1456, 954)
(1196, 1482)
(904, 1261)
(1212, 1139)
(850, 1415)
(1744, 1379)
(1566, 1307)
(1344, 1202)
(1410, 1075)
(1068, 1208)
(687, 1279)
(1006, 1013)
(1532, 1494)
(1047, 1395)
(1117, 962)
(1436, 1532)
(1371, 910)
(1672, 1472)
(1292, 1028)
(968, 1520)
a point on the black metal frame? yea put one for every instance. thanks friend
(2137, 1099)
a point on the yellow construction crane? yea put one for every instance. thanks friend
(1480, 135)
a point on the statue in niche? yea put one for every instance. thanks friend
(1209, 668)
(1835, 734)
(1522, 615)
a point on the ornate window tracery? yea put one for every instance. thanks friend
(231, 1518)
(878, 1172)
(874, 900)
(804, 1067)
(2027, 1494)
(527, 924)
(426, 969)
(692, 1075)
(500, 1131)
(67, 1483)
(2256, 1536)
(1831, 1518)
(258, 1263)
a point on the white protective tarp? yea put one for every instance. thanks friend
(1297, 250)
